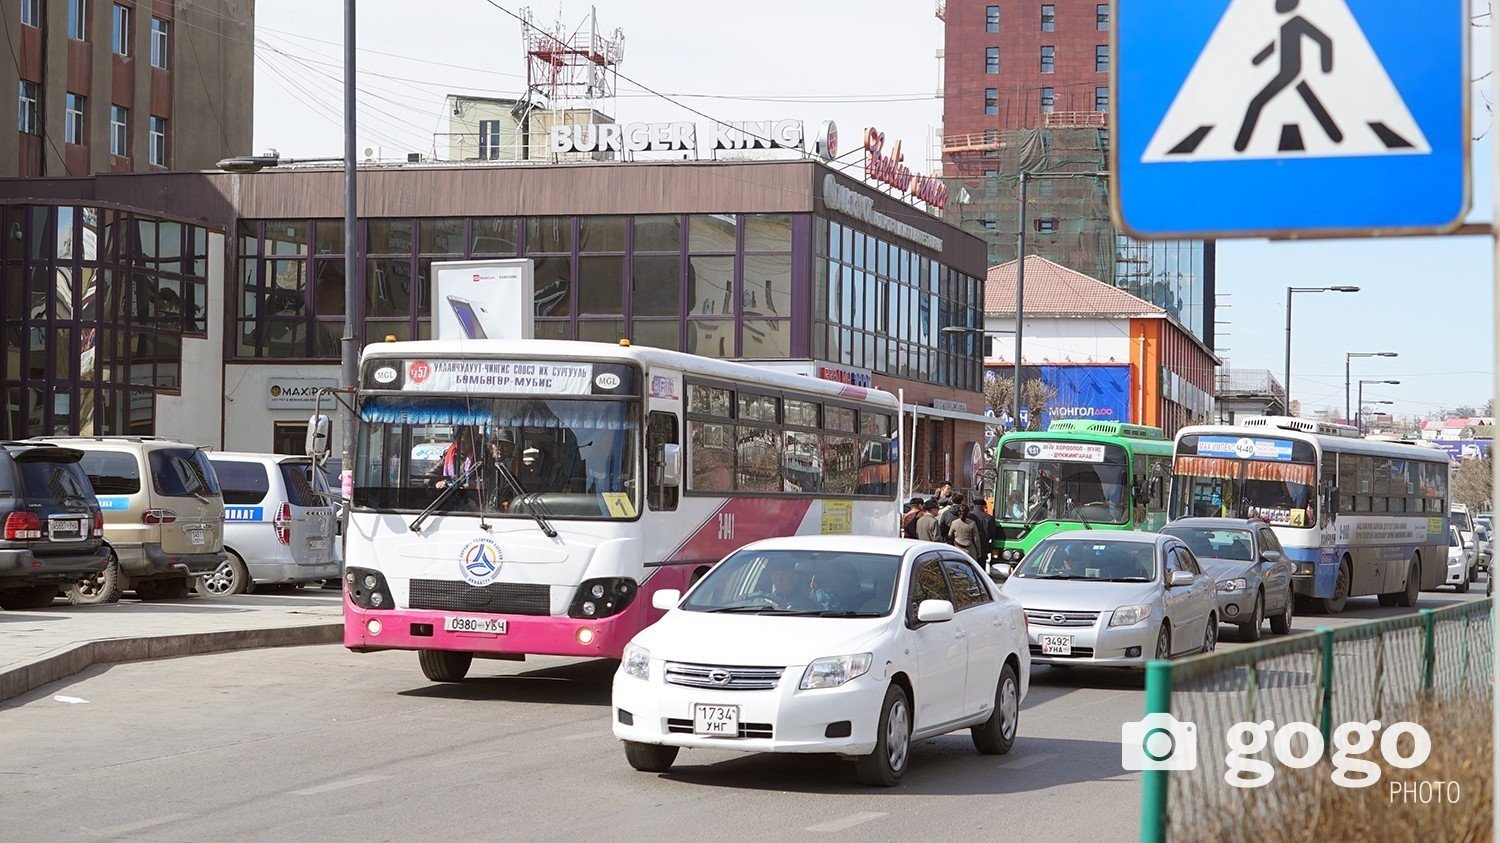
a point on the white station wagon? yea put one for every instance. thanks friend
(848, 645)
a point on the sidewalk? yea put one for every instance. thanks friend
(44, 645)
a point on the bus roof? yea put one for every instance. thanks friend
(690, 364)
(1339, 442)
(1133, 437)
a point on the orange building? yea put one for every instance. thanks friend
(1073, 323)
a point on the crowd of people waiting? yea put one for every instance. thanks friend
(948, 517)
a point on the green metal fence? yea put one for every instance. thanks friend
(1381, 670)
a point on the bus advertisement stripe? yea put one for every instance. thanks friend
(741, 521)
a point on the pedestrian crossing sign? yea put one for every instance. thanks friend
(1246, 118)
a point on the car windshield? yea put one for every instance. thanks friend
(1065, 481)
(1212, 543)
(830, 583)
(1090, 559)
(562, 457)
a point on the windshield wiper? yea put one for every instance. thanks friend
(527, 499)
(1055, 577)
(1127, 579)
(1078, 513)
(539, 513)
(453, 485)
(850, 614)
(745, 609)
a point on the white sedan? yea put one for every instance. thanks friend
(848, 645)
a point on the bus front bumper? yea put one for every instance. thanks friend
(368, 630)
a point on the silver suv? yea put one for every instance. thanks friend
(277, 529)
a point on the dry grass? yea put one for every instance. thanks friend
(1306, 806)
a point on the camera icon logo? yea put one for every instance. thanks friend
(1159, 742)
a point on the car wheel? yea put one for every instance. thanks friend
(884, 766)
(1282, 623)
(996, 735)
(1474, 574)
(1164, 643)
(1250, 629)
(650, 757)
(1211, 634)
(1408, 598)
(31, 597)
(1462, 587)
(444, 665)
(98, 587)
(1335, 604)
(231, 577)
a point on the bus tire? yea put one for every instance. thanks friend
(1335, 604)
(1408, 598)
(444, 665)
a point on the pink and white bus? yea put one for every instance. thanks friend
(527, 497)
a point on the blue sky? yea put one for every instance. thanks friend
(872, 62)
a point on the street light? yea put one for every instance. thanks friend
(1347, 356)
(1287, 382)
(266, 160)
(1359, 418)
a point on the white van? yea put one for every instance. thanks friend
(276, 528)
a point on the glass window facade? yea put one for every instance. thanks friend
(1171, 274)
(95, 307)
(881, 306)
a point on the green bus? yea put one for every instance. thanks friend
(1077, 475)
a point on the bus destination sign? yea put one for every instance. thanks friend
(1245, 448)
(490, 377)
(1065, 451)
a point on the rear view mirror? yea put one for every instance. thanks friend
(1000, 571)
(671, 465)
(1272, 556)
(666, 599)
(934, 611)
(318, 438)
(1178, 579)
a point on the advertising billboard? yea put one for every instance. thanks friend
(483, 300)
(1085, 392)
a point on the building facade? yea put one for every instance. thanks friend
(785, 262)
(1108, 355)
(1026, 89)
(126, 85)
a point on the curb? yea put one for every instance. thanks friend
(79, 657)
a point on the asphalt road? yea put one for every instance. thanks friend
(318, 743)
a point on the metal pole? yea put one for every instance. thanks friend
(1495, 266)
(349, 370)
(1154, 783)
(1359, 411)
(1287, 382)
(1020, 299)
(1346, 387)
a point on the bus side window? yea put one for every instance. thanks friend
(661, 429)
(1159, 480)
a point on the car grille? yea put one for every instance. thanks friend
(723, 678)
(498, 598)
(1078, 653)
(747, 730)
(1047, 617)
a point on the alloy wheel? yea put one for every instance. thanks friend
(221, 581)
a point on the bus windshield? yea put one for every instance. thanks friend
(561, 458)
(1062, 481)
(1279, 493)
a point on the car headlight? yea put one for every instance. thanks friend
(834, 671)
(1236, 584)
(636, 661)
(1130, 615)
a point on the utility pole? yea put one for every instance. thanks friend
(349, 371)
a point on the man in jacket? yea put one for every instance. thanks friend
(909, 518)
(929, 529)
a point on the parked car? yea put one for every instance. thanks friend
(1484, 542)
(54, 529)
(1249, 567)
(853, 646)
(277, 529)
(1114, 599)
(163, 515)
(1463, 562)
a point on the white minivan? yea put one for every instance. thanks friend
(277, 529)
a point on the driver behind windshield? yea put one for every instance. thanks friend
(791, 588)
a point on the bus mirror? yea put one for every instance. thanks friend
(317, 444)
(671, 465)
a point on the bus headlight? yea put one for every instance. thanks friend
(602, 597)
(367, 589)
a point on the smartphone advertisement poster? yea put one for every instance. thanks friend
(483, 300)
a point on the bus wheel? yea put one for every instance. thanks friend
(1335, 604)
(444, 665)
(1408, 598)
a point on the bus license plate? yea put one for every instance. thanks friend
(1056, 645)
(716, 721)
(484, 626)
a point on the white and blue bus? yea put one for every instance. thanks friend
(1356, 516)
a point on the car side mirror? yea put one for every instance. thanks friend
(1000, 571)
(671, 465)
(1179, 579)
(934, 611)
(1272, 556)
(666, 599)
(318, 438)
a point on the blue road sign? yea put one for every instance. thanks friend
(1244, 118)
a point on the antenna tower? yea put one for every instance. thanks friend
(570, 70)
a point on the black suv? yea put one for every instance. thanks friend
(54, 529)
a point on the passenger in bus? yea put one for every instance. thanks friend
(457, 467)
(1014, 509)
